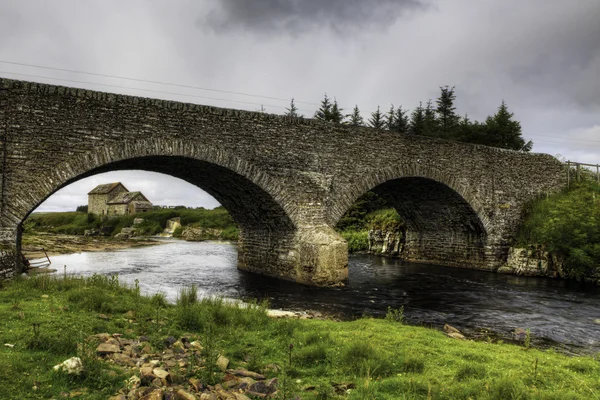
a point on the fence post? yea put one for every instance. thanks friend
(578, 172)
(598, 173)
(568, 174)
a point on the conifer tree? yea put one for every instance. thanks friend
(336, 115)
(377, 120)
(292, 111)
(355, 118)
(430, 123)
(502, 131)
(324, 111)
(417, 121)
(390, 119)
(401, 124)
(446, 112)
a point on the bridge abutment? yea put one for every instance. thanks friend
(313, 256)
(10, 247)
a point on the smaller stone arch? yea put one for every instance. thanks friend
(446, 224)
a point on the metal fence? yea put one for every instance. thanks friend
(576, 170)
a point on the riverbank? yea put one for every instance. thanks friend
(50, 319)
(57, 244)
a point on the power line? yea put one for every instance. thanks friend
(151, 81)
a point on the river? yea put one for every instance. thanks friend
(559, 313)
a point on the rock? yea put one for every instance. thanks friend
(453, 332)
(183, 395)
(134, 382)
(169, 341)
(156, 394)
(12, 346)
(101, 337)
(137, 221)
(245, 373)
(208, 396)
(596, 321)
(122, 359)
(196, 345)
(241, 396)
(260, 387)
(281, 314)
(196, 384)
(160, 373)
(222, 363)
(118, 397)
(107, 348)
(72, 366)
(450, 329)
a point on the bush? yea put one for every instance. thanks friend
(357, 241)
(568, 225)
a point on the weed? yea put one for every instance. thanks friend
(527, 341)
(395, 315)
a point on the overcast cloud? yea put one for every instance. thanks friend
(542, 57)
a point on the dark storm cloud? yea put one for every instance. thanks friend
(299, 16)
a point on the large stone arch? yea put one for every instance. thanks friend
(141, 154)
(270, 241)
(446, 223)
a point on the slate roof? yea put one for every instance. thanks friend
(125, 198)
(142, 204)
(106, 188)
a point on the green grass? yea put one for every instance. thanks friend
(568, 225)
(76, 223)
(48, 319)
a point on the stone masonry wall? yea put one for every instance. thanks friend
(286, 181)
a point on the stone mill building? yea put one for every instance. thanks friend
(114, 199)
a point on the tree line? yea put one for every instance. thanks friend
(438, 120)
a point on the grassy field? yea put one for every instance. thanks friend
(76, 223)
(47, 319)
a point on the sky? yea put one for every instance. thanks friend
(542, 57)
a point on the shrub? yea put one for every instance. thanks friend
(567, 224)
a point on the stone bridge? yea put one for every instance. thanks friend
(286, 181)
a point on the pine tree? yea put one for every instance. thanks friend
(355, 118)
(390, 119)
(377, 120)
(401, 124)
(446, 112)
(502, 131)
(417, 121)
(336, 115)
(430, 123)
(324, 112)
(292, 111)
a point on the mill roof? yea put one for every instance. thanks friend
(126, 197)
(106, 188)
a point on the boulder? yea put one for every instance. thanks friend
(72, 366)
(453, 332)
(104, 349)
(222, 363)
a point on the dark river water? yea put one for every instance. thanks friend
(558, 313)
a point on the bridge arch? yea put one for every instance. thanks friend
(252, 197)
(446, 224)
(224, 176)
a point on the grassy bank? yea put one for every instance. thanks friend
(567, 224)
(76, 223)
(48, 320)
(355, 227)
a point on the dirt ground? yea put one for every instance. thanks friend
(66, 244)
